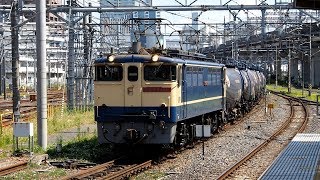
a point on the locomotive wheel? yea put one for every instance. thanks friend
(214, 124)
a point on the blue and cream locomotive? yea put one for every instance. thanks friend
(153, 99)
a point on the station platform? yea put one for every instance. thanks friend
(299, 160)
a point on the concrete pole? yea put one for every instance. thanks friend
(263, 27)
(289, 72)
(1, 60)
(310, 62)
(84, 80)
(90, 59)
(4, 78)
(41, 73)
(276, 66)
(15, 61)
(71, 64)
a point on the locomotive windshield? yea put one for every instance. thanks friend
(160, 73)
(109, 73)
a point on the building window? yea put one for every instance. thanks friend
(158, 14)
(146, 14)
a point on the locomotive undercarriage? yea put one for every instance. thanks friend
(186, 130)
(136, 132)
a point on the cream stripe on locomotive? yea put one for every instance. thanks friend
(203, 100)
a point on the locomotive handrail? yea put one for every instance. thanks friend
(159, 83)
(169, 105)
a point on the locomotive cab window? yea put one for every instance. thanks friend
(132, 73)
(108, 73)
(160, 73)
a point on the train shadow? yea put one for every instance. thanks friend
(86, 150)
(91, 151)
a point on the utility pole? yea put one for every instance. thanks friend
(3, 77)
(90, 75)
(1, 60)
(15, 61)
(310, 60)
(85, 71)
(41, 74)
(289, 71)
(276, 66)
(71, 59)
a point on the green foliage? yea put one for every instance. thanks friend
(67, 119)
(59, 121)
(6, 139)
(295, 92)
(31, 174)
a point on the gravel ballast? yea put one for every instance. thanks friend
(229, 146)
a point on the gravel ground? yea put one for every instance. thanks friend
(227, 147)
(253, 168)
(314, 120)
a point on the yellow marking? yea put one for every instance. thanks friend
(270, 106)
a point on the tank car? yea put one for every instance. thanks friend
(235, 89)
(152, 99)
(244, 88)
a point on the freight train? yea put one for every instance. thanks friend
(162, 99)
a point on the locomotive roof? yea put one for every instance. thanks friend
(147, 59)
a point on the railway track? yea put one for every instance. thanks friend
(13, 168)
(293, 125)
(28, 108)
(309, 102)
(111, 170)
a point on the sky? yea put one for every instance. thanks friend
(184, 17)
(209, 16)
(212, 16)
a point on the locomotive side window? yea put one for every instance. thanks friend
(200, 76)
(109, 73)
(160, 73)
(189, 76)
(195, 77)
(132, 73)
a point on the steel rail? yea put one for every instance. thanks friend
(232, 169)
(127, 172)
(90, 171)
(306, 115)
(102, 174)
(13, 168)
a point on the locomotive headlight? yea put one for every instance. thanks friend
(117, 127)
(155, 58)
(163, 105)
(111, 58)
